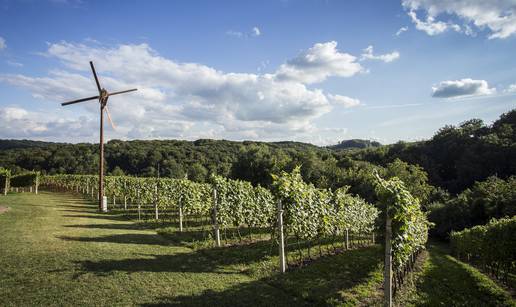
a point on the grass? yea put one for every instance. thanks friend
(57, 250)
(443, 280)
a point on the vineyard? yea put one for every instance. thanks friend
(300, 222)
(228, 212)
(490, 246)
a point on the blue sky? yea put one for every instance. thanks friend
(311, 71)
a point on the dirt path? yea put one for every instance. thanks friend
(3, 209)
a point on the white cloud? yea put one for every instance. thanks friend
(430, 26)
(316, 64)
(189, 100)
(345, 101)
(401, 30)
(388, 57)
(511, 88)
(255, 31)
(16, 122)
(14, 63)
(234, 33)
(3, 44)
(498, 16)
(462, 88)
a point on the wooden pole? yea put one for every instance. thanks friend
(282, 262)
(125, 195)
(101, 153)
(387, 280)
(181, 214)
(215, 223)
(6, 184)
(156, 201)
(347, 238)
(139, 205)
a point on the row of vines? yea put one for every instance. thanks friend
(28, 180)
(491, 246)
(302, 220)
(239, 211)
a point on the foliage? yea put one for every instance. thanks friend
(239, 203)
(409, 223)
(310, 212)
(5, 176)
(457, 156)
(493, 246)
(492, 198)
(24, 180)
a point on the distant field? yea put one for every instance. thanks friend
(56, 250)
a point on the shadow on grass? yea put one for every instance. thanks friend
(98, 216)
(128, 238)
(447, 281)
(128, 226)
(313, 285)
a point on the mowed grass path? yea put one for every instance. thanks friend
(56, 250)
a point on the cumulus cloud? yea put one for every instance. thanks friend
(461, 88)
(16, 122)
(191, 100)
(388, 57)
(319, 62)
(3, 44)
(344, 101)
(511, 88)
(401, 30)
(499, 16)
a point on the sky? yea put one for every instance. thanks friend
(269, 70)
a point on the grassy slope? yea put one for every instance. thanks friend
(445, 281)
(56, 250)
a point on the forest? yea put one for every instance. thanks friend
(464, 175)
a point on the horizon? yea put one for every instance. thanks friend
(315, 72)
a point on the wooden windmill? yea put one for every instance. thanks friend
(103, 99)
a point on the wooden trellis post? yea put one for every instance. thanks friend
(139, 205)
(215, 223)
(156, 201)
(282, 262)
(125, 195)
(387, 278)
(347, 238)
(181, 214)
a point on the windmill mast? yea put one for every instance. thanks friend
(103, 99)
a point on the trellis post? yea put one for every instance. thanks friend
(181, 214)
(156, 201)
(282, 262)
(139, 205)
(387, 280)
(347, 238)
(215, 223)
(125, 195)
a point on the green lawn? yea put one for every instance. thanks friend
(56, 250)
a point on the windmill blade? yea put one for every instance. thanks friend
(109, 118)
(79, 100)
(121, 92)
(96, 78)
